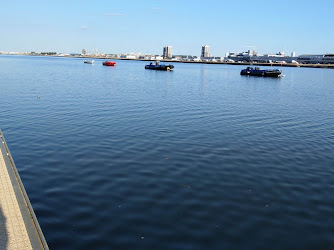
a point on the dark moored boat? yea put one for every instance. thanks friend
(107, 63)
(89, 62)
(159, 66)
(250, 71)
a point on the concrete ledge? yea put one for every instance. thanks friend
(35, 234)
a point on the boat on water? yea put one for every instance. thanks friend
(108, 63)
(89, 62)
(159, 66)
(251, 71)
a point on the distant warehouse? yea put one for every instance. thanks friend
(314, 59)
(48, 53)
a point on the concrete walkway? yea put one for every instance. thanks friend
(19, 227)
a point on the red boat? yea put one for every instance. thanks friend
(107, 63)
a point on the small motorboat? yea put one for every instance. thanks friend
(159, 66)
(89, 62)
(108, 63)
(250, 71)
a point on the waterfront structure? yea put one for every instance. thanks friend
(253, 56)
(243, 56)
(280, 57)
(251, 52)
(133, 57)
(83, 52)
(314, 59)
(19, 227)
(48, 53)
(271, 58)
(167, 52)
(205, 53)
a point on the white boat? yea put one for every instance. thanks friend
(89, 62)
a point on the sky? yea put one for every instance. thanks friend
(124, 26)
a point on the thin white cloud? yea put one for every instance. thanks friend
(84, 27)
(113, 14)
(156, 8)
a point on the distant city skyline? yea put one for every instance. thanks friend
(123, 26)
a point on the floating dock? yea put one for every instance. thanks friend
(19, 228)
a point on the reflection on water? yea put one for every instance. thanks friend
(196, 158)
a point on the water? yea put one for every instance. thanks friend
(198, 158)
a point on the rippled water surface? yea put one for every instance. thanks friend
(197, 158)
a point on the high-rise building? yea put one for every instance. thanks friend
(83, 52)
(167, 53)
(293, 54)
(205, 51)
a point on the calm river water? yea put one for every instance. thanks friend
(197, 158)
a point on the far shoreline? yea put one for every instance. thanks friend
(325, 66)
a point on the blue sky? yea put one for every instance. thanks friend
(122, 26)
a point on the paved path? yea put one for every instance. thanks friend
(13, 232)
(18, 229)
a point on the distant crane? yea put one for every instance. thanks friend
(96, 52)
